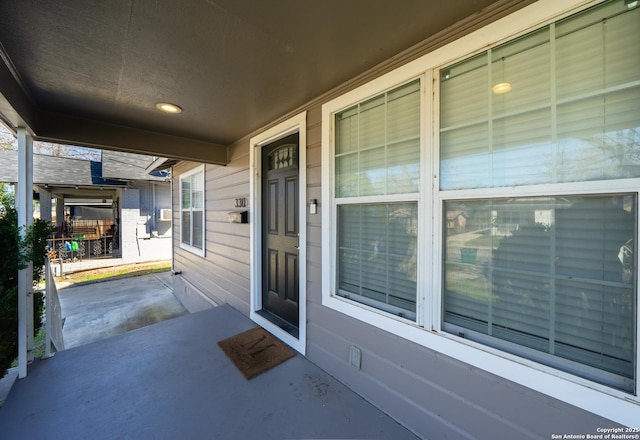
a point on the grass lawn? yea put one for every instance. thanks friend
(128, 270)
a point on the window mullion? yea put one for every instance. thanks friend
(552, 284)
(555, 149)
(490, 113)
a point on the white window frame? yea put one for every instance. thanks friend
(613, 404)
(186, 246)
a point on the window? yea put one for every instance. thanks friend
(377, 158)
(493, 215)
(567, 111)
(192, 210)
(548, 278)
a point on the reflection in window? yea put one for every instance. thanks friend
(554, 275)
(577, 121)
(378, 145)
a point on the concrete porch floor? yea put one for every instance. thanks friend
(172, 381)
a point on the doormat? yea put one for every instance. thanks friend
(255, 351)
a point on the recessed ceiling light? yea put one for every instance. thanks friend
(501, 88)
(167, 107)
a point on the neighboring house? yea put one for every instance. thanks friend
(532, 122)
(91, 196)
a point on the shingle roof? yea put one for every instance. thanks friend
(47, 169)
(55, 170)
(127, 166)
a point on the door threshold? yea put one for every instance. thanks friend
(284, 325)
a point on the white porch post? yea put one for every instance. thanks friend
(59, 215)
(45, 204)
(24, 206)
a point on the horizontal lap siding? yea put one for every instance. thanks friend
(314, 191)
(223, 274)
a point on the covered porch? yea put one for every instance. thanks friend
(171, 380)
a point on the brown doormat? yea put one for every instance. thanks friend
(255, 351)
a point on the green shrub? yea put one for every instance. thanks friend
(17, 253)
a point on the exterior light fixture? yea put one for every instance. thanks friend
(501, 88)
(167, 107)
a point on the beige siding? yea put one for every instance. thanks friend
(223, 274)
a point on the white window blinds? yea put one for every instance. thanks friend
(377, 145)
(192, 210)
(377, 154)
(568, 109)
(377, 255)
(555, 275)
(549, 278)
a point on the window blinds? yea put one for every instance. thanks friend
(377, 153)
(377, 255)
(552, 274)
(572, 113)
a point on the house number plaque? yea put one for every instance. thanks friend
(241, 203)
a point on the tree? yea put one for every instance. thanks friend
(18, 253)
(9, 142)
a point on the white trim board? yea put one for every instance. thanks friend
(295, 124)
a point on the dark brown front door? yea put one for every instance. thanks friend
(280, 232)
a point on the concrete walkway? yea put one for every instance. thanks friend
(100, 310)
(172, 381)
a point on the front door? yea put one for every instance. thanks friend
(280, 233)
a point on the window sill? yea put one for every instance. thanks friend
(193, 250)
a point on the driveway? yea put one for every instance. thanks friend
(99, 310)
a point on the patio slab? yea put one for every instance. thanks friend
(171, 380)
(99, 310)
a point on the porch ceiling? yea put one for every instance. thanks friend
(90, 72)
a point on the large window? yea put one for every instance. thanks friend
(558, 105)
(550, 278)
(192, 210)
(377, 154)
(493, 204)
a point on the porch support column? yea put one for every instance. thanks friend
(59, 215)
(24, 206)
(45, 205)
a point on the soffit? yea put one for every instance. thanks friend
(232, 65)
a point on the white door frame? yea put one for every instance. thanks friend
(295, 124)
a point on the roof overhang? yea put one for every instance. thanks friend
(90, 73)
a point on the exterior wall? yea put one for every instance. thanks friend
(137, 242)
(153, 197)
(434, 395)
(130, 213)
(223, 275)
